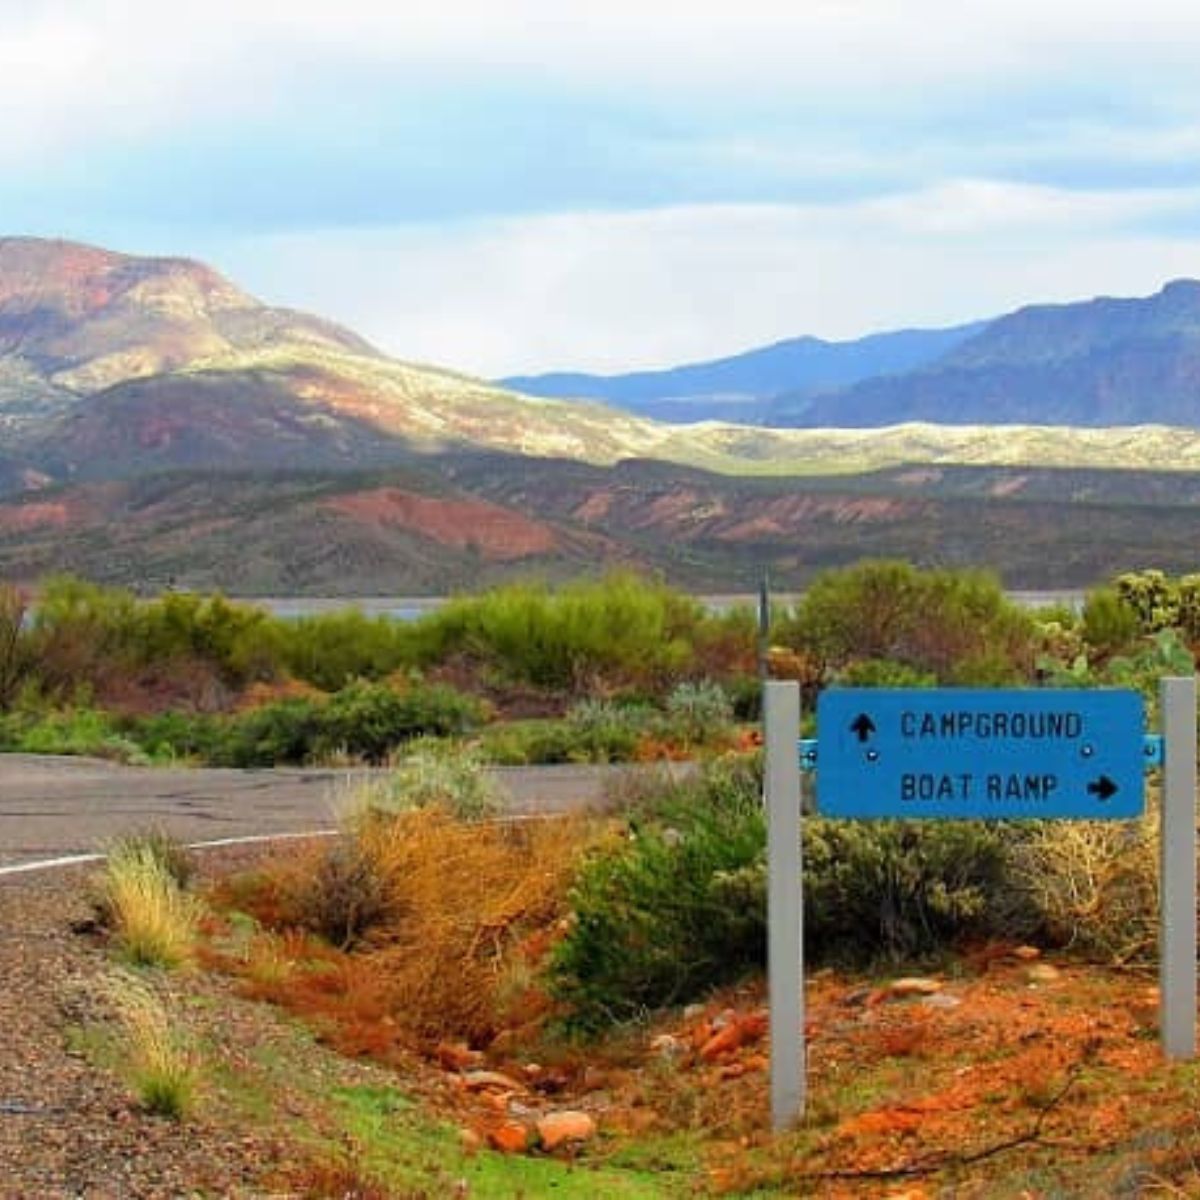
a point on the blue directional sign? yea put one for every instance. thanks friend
(990, 755)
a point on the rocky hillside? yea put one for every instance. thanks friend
(157, 424)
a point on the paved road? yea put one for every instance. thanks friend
(56, 806)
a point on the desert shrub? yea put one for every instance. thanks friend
(16, 658)
(74, 730)
(331, 650)
(892, 890)
(600, 731)
(451, 778)
(883, 673)
(447, 921)
(345, 897)
(745, 697)
(285, 732)
(957, 625)
(86, 635)
(471, 897)
(80, 631)
(596, 637)
(1094, 884)
(371, 719)
(1110, 625)
(172, 736)
(699, 712)
(230, 637)
(653, 922)
(522, 743)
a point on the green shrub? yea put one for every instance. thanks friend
(288, 731)
(653, 921)
(599, 731)
(957, 625)
(76, 731)
(172, 736)
(331, 650)
(892, 890)
(883, 673)
(1110, 625)
(596, 637)
(679, 906)
(369, 720)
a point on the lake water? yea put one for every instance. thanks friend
(409, 608)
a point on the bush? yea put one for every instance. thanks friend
(598, 637)
(1094, 885)
(172, 736)
(370, 720)
(699, 712)
(432, 776)
(680, 905)
(333, 649)
(288, 731)
(76, 731)
(891, 890)
(956, 625)
(1110, 625)
(653, 918)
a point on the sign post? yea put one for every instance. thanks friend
(785, 903)
(1177, 870)
(1004, 754)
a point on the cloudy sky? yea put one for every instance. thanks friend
(509, 185)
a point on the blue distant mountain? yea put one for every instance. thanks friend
(1103, 362)
(744, 387)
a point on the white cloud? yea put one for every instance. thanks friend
(619, 291)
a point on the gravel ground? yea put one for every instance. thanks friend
(68, 1128)
(71, 1128)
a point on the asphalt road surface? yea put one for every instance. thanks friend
(52, 806)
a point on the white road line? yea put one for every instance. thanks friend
(71, 860)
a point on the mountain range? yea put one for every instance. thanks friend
(159, 424)
(1095, 364)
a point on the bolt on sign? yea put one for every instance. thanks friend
(980, 755)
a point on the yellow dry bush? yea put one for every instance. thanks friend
(466, 900)
(1095, 884)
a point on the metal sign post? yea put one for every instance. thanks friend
(1177, 870)
(785, 902)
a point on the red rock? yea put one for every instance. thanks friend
(457, 1056)
(913, 987)
(557, 1128)
(724, 1041)
(511, 1137)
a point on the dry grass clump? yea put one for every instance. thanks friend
(162, 1068)
(141, 897)
(1095, 884)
